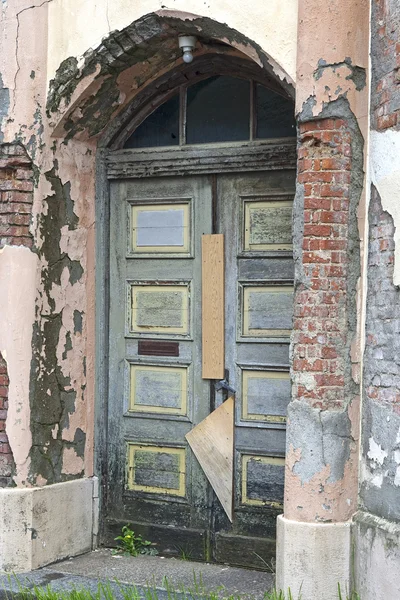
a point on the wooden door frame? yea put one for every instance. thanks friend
(112, 165)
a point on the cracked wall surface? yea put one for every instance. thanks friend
(376, 529)
(380, 485)
(87, 65)
(48, 410)
(385, 113)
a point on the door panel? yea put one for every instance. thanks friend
(254, 214)
(156, 391)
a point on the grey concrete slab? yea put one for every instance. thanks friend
(87, 570)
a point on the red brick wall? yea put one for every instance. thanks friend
(16, 196)
(320, 323)
(16, 187)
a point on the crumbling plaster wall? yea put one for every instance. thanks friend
(61, 87)
(45, 291)
(380, 486)
(332, 87)
(271, 25)
(377, 524)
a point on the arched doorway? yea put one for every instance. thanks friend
(212, 154)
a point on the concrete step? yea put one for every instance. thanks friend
(89, 569)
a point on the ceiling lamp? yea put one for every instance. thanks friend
(188, 44)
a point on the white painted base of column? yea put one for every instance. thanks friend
(41, 525)
(312, 558)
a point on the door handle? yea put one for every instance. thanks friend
(224, 385)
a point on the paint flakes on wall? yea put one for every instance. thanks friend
(376, 453)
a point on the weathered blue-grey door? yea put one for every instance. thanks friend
(156, 390)
(255, 216)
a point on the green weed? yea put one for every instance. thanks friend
(268, 566)
(353, 595)
(130, 544)
(184, 553)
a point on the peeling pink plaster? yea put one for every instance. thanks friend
(88, 86)
(318, 500)
(41, 481)
(293, 456)
(18, 271)
(332, 31)
(76, 165)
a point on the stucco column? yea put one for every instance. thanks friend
(321, 479)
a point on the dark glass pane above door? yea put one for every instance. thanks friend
(221, 108)
(161, 128)
(218, 110)
(275, 114)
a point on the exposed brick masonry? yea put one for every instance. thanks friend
(16, 196)
(385, 56)
(320, 323)
(6, 460)
(382, 354)
(16, 187)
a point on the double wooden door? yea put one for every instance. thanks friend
(157, 393)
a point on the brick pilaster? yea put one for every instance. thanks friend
(320, 323)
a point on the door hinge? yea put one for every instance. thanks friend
(223, 384)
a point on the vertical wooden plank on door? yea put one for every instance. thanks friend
(213, 307)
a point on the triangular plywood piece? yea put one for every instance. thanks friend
(212, 443)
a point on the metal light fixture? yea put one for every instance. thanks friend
(188, 44)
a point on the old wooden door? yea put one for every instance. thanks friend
(255, 216)
(196, 165)
(156, 390)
